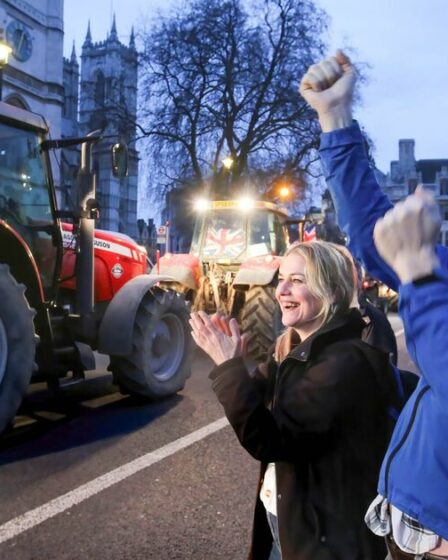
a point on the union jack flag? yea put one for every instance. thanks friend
(224, 243)
(309, 233)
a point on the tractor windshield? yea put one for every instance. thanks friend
(224, 235)
(232, 235)
(25, 199)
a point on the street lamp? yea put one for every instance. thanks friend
(284, 191)
(5, 51)
(227, 162)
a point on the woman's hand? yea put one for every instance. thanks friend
(221, 321)
(219, 337)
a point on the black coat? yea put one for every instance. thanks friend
(326, 428)
(378, 331)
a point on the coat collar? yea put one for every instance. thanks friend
(350, 322)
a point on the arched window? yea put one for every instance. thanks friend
(99, 89)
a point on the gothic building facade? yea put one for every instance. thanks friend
(108, 102)
(407, 172)
(76, 98)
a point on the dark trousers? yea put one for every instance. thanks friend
(273, 525)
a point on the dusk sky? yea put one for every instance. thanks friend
(404, 42)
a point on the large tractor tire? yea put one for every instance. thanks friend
(160, 361)
(261, 320)
(17, 345)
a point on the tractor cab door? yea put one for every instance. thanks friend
(26, 197)
(266, 234)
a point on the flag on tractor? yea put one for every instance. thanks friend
(309, 232)
(224, 242)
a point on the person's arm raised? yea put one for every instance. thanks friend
(328, 87)
(406, 239)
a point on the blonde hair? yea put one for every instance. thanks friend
(356, 270)
(329, 275)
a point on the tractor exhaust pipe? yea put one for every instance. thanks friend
(88, 213)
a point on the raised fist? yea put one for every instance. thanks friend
(328, 88)
(406, 236)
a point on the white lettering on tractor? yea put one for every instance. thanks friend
(102, 244)
(69, 243)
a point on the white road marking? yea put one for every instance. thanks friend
(36, 516)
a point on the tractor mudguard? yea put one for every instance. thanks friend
(117, 325)
(185, 269)
(257, 271)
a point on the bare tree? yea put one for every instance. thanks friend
(220, 78)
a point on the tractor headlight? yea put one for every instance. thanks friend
(246, 203)
(201, 204)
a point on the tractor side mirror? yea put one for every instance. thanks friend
(119, 160)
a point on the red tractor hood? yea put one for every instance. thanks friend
(118, 259)
(108, 241)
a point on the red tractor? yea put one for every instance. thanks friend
(232, 265)
(66, 291)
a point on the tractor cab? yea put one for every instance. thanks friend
(232, 231)
(27, 205)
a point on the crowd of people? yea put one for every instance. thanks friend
(339, 479)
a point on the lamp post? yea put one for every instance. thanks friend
(5, 51)
(225, 179)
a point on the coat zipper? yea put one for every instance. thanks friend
(404, 438)
(408, 429)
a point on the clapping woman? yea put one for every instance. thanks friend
(314, 415)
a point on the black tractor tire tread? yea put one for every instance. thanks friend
(260, 320)
(133, 373)
(22, 342)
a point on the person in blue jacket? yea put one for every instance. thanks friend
(411, 509)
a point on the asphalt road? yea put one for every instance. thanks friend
(93, 474)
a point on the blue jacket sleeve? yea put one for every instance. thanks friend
(424, 310)
(358, 198)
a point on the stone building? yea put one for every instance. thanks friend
(75, 99)
(407, 172)
(108, 101)
(69, 160)
(32, 78)
(404, 176)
